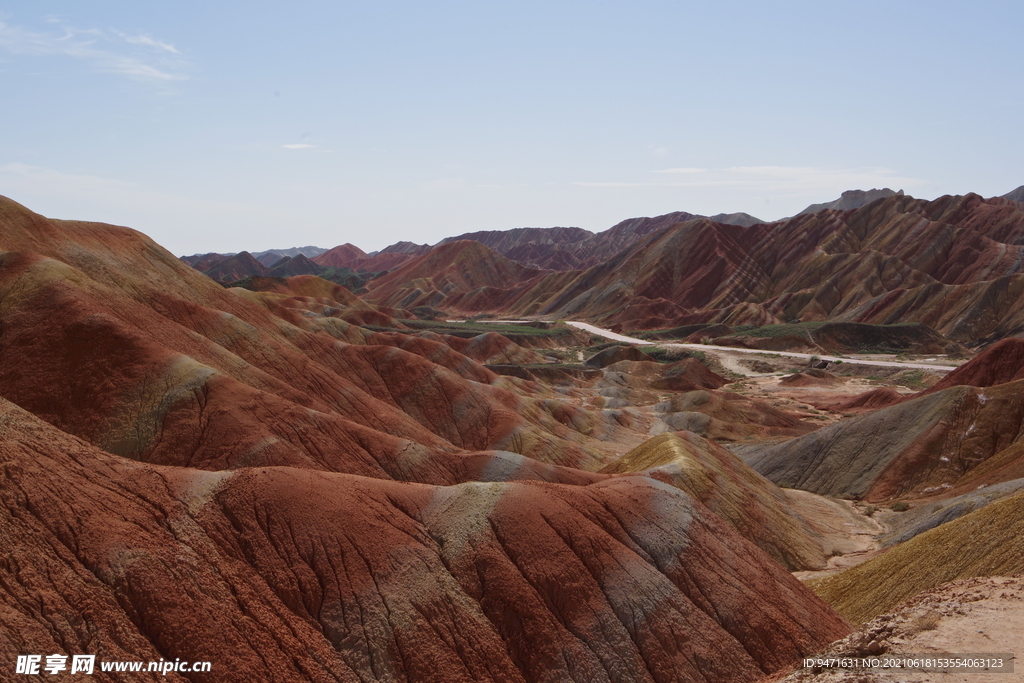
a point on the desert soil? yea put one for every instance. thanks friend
(847, 528)
(983, 615)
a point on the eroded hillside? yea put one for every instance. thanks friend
(348, 487)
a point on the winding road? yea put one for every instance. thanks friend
(705, 347)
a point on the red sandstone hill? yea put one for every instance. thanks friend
(463, 275)
(758, 509)
(235, 268)
(882, 397)
(351, 256)
(953, 264)
(952, 438)
(249, 478)
(541, 248)
(575, 248)
(286, 574)
(1002, 362)
(343, 256)
(936, 443)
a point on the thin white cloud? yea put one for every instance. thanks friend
(581, 183)
(149, 42)
(680, 171)
(299, 146)
(107, 51)
(778, 171)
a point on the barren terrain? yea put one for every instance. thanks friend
(970, 616)
(372, 484)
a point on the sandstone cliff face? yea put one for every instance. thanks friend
(251, 479)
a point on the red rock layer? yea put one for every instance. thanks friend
(343, 256)
(463, 275)
(920, 447)
(247, 478)
(284, 574)
(953, 264)
(689, 375)
(868, 401)
(999, 363)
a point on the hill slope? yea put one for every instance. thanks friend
(246, 477)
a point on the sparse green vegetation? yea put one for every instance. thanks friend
(663, 355)
(912, 379)
(784, 330)
(899, 506)
(471, 329)
(596, 348)
(428, 313)
(567, 355)
(556, 366)
(673, 333)
(249, 282)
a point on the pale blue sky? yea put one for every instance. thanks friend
(221, 126)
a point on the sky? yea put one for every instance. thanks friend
(223, 126)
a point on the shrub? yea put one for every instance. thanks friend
(929, 621)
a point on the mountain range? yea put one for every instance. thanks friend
(245, 477)
(308, 478)
(878, 257)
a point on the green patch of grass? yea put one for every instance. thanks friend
(663, 355)
(596, 348)
(784, 330)
(557, 366)
(428, 313)
(913, 379)
(469, 329)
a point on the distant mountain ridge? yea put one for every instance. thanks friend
(1016, 195)
(894, 259)
(897, 259)
(738, 218)
(267, 258)
(852, 199)
(558, 248)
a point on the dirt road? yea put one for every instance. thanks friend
(789, 354)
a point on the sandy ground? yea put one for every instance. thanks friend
(849, 532)
(972, 616)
